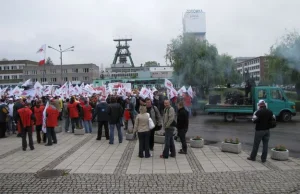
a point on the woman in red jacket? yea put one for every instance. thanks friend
(87, 117)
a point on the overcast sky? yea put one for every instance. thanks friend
(239, 28)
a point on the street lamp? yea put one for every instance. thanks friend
(61, 51)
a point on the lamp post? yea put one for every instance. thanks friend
(61, 51)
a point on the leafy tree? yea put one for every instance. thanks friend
(49, 61)
(284, 61)
(196, 62)
(151, 64)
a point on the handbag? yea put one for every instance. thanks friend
(151, 123)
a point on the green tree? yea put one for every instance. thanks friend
(284, 61)
(49, 61)
(151, 64)
(197, 62)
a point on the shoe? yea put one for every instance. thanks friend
(250, 159)
(48, 144)
(161, 156)
(32, 148)
(98, 138)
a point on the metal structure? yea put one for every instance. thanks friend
(122, 52)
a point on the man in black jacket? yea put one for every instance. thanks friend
(182, 126)
(263, 119)
(102, 112)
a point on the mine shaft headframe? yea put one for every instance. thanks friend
(123, 51)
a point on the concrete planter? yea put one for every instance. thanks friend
(279, 155)
(79, 131)
(231, 147)
(58, 129)
(197, 143)
(129, 136)
(159, 139)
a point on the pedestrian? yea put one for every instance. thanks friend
(11, 125)
(87, 116)
(101, 111)
(3, 118)
(38, 113)
(74, 110)
(263, 119)
(169, 126)
(26, 120)
(66, 115)
(142, 127)
(52, 115)
(182, 126)
(156, 118)
(115, 114)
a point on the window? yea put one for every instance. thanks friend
(43, 79)
(262, 94)
(65, 79)
(85, 70)
(53, 79)
(14, 77)
(276, 94)
(85, 78)
(65, 71)
(6, 77)
(74, 78)
(75, 70)
(6, 67)
(53, 71)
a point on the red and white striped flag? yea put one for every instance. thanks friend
(42, 52)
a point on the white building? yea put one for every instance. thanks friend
(194, 22)
(256, 67)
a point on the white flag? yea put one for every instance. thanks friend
(190, 92)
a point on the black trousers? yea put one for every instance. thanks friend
(181, 134)
(263, 136)
(40, 134)
(144, 144)
(51, 135)
(27, 130)
(2, 129)
(100, 125)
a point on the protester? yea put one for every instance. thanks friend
(74, 110)
(11, 125)
(156, 118)
(142, 127)
(182, 126)
(101, 111)
(169, 116)
(115, 118)
(87, 117)
(38, 113)
(262, 119)
(26, 120)
(52, 115)
(66, 115)
(3, 118)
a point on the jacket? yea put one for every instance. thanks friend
(3, 113)
(73, 109)
(182, 119)
(141, 123)
(25, 116)
(263, 119)
(38, 113)
(115, 113)
(155, 115)
(52, 116)
(87, 112)
(101, 112)
(169, 116)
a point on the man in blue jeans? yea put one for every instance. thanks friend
(115, 113)
(169, 116)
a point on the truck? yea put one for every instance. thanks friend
(274, 97)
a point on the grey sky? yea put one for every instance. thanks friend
(239, 28)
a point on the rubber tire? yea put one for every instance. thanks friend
(286, 116)
(229, 117)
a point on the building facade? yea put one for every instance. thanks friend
(255, 67)
(194, 23)
(11, 72)
(76, 73)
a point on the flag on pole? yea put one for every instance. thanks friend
(42, 52)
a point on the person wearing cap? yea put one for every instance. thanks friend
(52, 115)
(26, 120)
(38, 113)
(3, 118)
(11, 126)
(262, 118)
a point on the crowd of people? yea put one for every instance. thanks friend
(22, 116)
